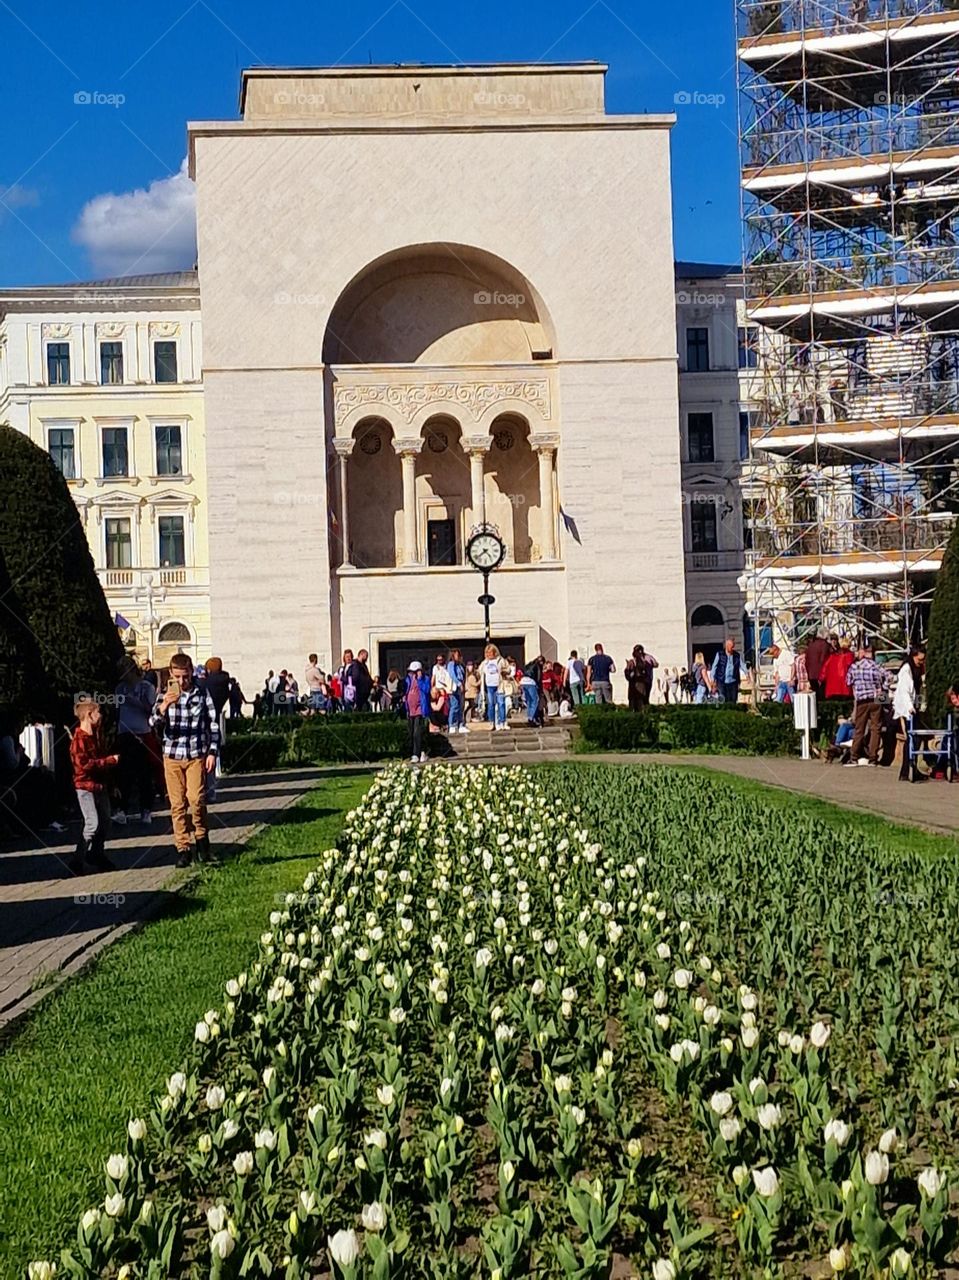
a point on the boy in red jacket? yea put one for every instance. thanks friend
(90, 766)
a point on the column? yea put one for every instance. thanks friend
(544, 445)
(343, 450)
(407, 450)
(476, 448)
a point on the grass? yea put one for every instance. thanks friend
(96, 1051)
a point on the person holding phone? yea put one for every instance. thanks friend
(187, 719)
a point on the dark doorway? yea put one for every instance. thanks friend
(400, 653)
(440, 542)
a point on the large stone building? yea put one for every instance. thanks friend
(108, 377)
(434, 295)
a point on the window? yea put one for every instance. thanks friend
(115, 458)
(164, 362)
(750, 507)
(440, 542)
(172, 549)
(63, 452)
(169, 451)
(58, 364)
(707, 615)
(748, 347)
(173, 633)
(704, 526)
(699, 428)
(119, 545)
(111, 363)
(697, 350)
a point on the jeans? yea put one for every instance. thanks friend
(95, 807)
(501, 706)
(456, 710)
(317, 700)
(700, 695)
(417, 727)
(531, 697)
(783, 690)
(731, 692)
(576, 692)
(491, 701)
(603, 691)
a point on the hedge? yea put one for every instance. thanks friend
(339, 739)
(719, 729)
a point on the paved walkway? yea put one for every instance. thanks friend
(51, 924)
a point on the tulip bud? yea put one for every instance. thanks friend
(876, 1168)
(137, 1130)
(840, 1258)
(930, 1182)
(222, 1244)
(900, 1264)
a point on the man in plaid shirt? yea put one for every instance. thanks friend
(191, 737)
(869, 684)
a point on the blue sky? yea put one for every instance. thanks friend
(88, 188)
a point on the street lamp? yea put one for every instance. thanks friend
(148, 617)
(485, 550)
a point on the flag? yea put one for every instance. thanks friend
(571, 528)
(121, 623)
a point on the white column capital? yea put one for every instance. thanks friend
(476, 444)
(343, 448)
(408, 446)
(544, 441)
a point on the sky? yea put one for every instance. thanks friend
(98, 96)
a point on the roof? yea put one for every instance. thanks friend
(707, 270)
(154, 280)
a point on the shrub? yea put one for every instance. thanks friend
(21, 669)
(942, 663)
(252, 753)
(48, 559)
(721, 729)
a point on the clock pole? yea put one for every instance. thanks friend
(486, 602)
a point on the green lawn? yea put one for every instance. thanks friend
(97, 1050)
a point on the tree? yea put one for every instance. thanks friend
(21, 671)
(54, 580)
(942, 650)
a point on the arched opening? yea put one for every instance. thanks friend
(375, 496)
(707, 630)
(442, 492)
(173, 637)
(707, 615)
(445, 304)
(512, 487)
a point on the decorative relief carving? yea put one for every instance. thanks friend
(56, 330)
(371, 443)
(438, 441)
(503, 439)
(474, 398)
(110, 329)
(164, 329)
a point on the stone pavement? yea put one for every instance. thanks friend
(51, 924)
(932, 805)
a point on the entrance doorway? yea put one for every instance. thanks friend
(398, 654)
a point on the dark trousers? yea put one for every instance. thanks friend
(731, 692)
(638, 695)
(136, 770)
(867, 717)
(417, 729)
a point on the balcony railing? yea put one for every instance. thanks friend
(850, 537)
(713, 561)
(860, 140)
(777, 17)
(137, 580)
(877, 270)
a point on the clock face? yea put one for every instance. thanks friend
(485, 551)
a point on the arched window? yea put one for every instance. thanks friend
(707, 615)
(173, 633)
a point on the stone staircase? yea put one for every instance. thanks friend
(519, 742)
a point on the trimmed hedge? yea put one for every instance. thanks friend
(719, 729)
(345, 739)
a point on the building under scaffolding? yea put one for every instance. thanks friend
(849, 132)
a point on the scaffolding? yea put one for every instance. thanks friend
(849, 139)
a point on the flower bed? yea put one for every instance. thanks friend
(476, 1043)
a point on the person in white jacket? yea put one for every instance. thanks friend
(905, 702)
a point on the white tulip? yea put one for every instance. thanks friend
(269, 1074)
(201, 1032)
(663, 1269)
(930, 1182)
(115, 1206)
(837, 1131)
(375, 1138)
(484, 958)
(176, 1084)
(41, 1270)
(233, 988)
(397, 1015)
(889, 1142)
(748, 1020)
(721, 1103)
(662, 1021)
(900, 1263)
(682, 978)
(797, 1044)
(766, 1182)
(230, 1130)
(563, 1085)
(663, 951)
(508, 1170)
(819, 1034)
(137, 1130)
(204, 1144)
(264, 1139)
(660, 999)
(90, 1219)
(783, 1037)
(374, 1216)
(385, 1094)
(578, 1114)
(215, 1097)
(747, 999)
(740, 1174)
(729, 1128)
(749, 1036)
(840, 1258)
(769, 1116)
(216, 1218)
(243, 1163)
(877, 1168)
(117, 1167)
(222, 1244)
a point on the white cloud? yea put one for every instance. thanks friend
(17, 196)
(141, 231)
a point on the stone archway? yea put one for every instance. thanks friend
(374, 496)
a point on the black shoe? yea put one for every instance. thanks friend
(74, 865)
(202, 845)
(96, 857)
(184, 858)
